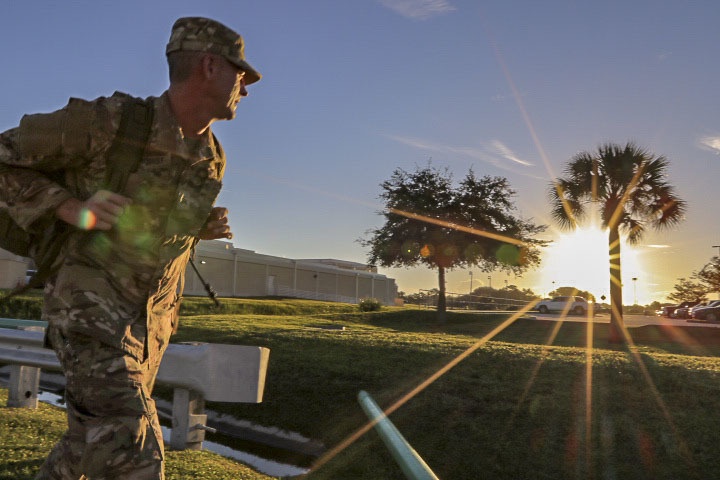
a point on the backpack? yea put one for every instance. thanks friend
(123, 158)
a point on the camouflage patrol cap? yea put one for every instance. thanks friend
(198, 34)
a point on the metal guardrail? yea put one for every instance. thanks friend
(197, 372)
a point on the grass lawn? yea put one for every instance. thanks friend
(26, 437)
(513, 408)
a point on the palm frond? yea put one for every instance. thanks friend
(626, 182)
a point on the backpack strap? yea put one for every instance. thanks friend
(126, 151)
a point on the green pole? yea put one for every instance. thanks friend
(409, 460)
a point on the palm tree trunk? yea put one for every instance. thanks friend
(616, 300)
(442, 304)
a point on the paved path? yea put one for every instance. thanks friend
(630, 320)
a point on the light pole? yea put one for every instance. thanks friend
(634, 279)
(471, 290)
(489, 281)
(718, 247)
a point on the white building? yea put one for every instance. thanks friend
(12, 269)
(236, 272)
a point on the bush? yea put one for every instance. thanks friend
(370, 305)
(26, 306)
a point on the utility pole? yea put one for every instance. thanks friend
(471, 290)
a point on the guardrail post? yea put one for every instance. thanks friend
(188, 420)
(23, 386)
(24, 382)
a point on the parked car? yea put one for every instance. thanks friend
(709, 313)
(671, 310)
(695, 307)
(571, 304)
(700, 306)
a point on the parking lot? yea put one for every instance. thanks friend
(630, 320)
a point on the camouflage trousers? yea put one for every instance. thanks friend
(113, 428)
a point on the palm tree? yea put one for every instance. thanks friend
(628, 187)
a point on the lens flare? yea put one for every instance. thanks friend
(87, 220)
(349, 440)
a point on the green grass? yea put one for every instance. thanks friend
(512, 409)
(29, 304)
(26, 437)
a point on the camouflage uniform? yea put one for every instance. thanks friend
(113, 304)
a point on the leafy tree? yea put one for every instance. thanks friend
(431, 222)
(508, 297)
(709, 275)
(422, 297)
(571, 291)
(627, 185)
(688, 290)
(512, 291)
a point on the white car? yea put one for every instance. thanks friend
(575, 304)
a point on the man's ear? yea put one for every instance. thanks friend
(209, 65)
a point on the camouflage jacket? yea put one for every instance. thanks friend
(119, 286)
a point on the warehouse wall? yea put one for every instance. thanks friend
(236, 272)
(245, 273)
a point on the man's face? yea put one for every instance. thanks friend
(228, 89)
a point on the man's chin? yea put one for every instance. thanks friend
(231, 113)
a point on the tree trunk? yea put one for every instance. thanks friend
(616, 300)
(442, 304)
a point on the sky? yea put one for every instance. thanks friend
(353, 90)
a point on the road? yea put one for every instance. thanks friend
(630, 320)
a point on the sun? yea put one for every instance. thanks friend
(580, 259)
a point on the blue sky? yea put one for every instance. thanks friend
(355, 89)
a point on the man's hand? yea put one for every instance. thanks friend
(99, 212)
(216, 226)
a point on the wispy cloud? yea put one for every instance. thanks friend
(494, 152)
(711, 143)
(418, 9)
(662, 56)
(502, 150)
